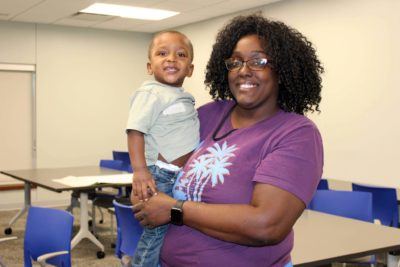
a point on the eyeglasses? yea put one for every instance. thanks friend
(233, 64)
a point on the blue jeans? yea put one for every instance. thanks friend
(148, 249)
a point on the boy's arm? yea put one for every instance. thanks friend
(143, 181)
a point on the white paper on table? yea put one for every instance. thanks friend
(91, 180)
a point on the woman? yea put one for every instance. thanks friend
(260, 159)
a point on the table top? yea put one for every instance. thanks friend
(390, 182)
(43, 177)
(321, 238)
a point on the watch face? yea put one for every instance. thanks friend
(176, 216)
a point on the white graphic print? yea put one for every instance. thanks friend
(209, 167)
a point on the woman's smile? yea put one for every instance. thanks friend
(247, 86)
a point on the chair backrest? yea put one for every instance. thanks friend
(124, 156)
(48, 230)
(323, 185)
(112, 164)
(356, 205)
(384, 203)
(121, 155)
(128, 230)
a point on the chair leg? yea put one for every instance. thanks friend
(93, 215)
(112, 230)
(111, 224)
(93, 218)
(74, 203)
(101, 214)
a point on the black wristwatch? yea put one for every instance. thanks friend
(177, 213)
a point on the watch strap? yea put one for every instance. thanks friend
(179, 204)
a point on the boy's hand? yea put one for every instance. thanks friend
(143, 185)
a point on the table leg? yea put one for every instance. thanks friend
(25, 208)
(84, 228)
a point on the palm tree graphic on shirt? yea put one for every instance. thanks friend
(209, 167)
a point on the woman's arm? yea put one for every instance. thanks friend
(265, 221)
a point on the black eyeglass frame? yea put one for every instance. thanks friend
(264, 62)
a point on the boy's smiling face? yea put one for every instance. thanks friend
(170, 59)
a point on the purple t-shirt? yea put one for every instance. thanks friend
(284, 150)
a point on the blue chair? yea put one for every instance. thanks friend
(323, 185)
(112, 164)
(384, 204)
(48, 235)
(128, 229)
(124, 157)
(350, 204)
(102, 199)
(121, 155)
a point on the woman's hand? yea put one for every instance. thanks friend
(155, 211)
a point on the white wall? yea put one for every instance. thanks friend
(358, 42)
(83, 90)
(18, 43)
(84, 80)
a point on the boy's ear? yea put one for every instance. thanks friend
(190, 72)
(149, 70)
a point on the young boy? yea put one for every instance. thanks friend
(163, 130)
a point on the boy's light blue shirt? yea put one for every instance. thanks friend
(167, 118)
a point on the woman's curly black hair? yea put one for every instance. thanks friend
(292, 55)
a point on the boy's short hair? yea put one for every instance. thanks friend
(191, 53)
